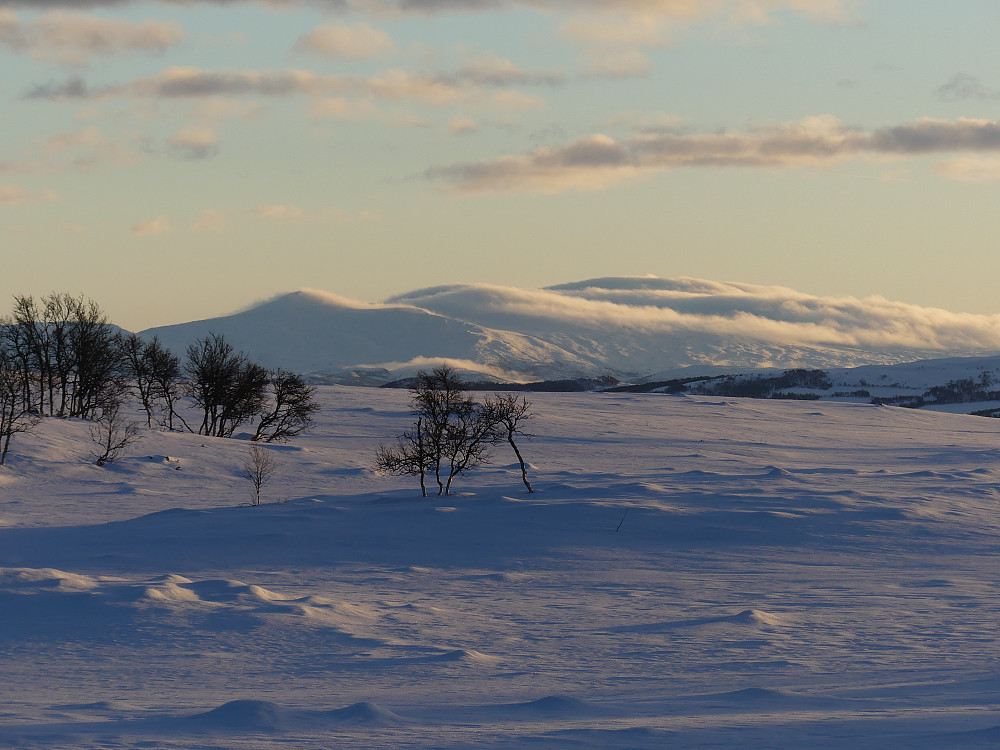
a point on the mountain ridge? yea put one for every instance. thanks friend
(630, 327)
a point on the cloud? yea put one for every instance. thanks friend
(670, 307)
(494, 70)
(210, 221)
(612, 34)
(194, 142)
(598, 161)
(513, 101)
(279, 213)
(72, 39)
(15, 195)
(78, 151)
(462, 125)
(357, 42)
(970, 168)
(152, 227)
(963, 87)
(393, 85)
(288, 213)
(680, 11)
(342, 108)
(643, 30)
(400, 84)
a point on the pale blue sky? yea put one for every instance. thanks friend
(177, 162)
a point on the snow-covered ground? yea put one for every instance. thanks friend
(787, 575)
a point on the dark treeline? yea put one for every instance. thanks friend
(60, 356)
(66, 352)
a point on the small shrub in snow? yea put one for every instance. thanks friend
(260, 466)
(112, 432)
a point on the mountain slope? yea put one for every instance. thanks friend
(631, 327)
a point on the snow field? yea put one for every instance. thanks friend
(787, 575)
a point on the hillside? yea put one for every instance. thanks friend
(626, 327)
(692, 572)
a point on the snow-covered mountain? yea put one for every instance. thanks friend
(631, 327)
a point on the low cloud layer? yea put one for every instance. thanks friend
(73, 39)
(738, 11)
(638, 307)
(598, 161)
(465, 84)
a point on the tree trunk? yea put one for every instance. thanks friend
(524, 469)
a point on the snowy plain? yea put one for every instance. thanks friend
(692, 572)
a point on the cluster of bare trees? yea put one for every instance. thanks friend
(60, 356)
(453, 433)
(64, 351)
(229, 391)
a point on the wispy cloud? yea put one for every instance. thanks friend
(964, 87)
(194, 142)
(82, 150)
(210, 221)
(736, 11)
(73, 39)
(343, 108)
(357, 42)
(495, 70)
(152, 227)
(469, 83)
(598, 161)
(15, 195)
(462, 125)
(279, 212)
(284, 212)
(973, 168)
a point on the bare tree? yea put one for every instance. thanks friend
(509, 413)
(65, 347)
(290, 408)
(112, 432)
(225, 385)
(153, 373)
(94, 359)
(15, 411)
(260, 466)
(440, 400)
(27, 336)
(453, 434)
(469, 441)
(165, 375)
(135, 366)
(408, 457)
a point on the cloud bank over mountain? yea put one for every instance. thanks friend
(630, 327)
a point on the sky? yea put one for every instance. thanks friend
(182, 160)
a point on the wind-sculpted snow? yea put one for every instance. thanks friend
(692, 572)
(625, 326)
